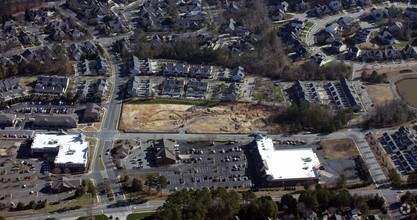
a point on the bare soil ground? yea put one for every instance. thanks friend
(379, 93)
(343, 148)
(228, 118)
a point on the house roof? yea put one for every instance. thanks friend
(65, 183)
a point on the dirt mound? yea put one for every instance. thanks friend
(237, 118)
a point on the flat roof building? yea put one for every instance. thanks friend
(286, 167)
(70, 149)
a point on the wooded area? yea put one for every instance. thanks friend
(314, 118)
(9, 7)
(389, 114)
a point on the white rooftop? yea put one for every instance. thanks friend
(72, 148)
(284, 164)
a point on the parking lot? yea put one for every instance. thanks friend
(23, 179)
(210, 165)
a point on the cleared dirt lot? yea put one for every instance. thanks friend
(379, 93)
(343, 148)
(236, 118)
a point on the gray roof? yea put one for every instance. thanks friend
(51, 84)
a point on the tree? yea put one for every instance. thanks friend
(309, 198)
(31, 205)
(341, 181)
(80, 191)
(126, 178)
(67, 170)
(394, 178)
(136, 185)
(412, 179)
(288, 203)
(248, 196)
(151, 181)
(57, 170)
(162, 183)
(263, 208)
(20, 206)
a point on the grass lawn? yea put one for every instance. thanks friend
(96, 217)
(281, 24)
(138, 216)
(402, 44)
(267, 91)
(93, 144)
(28, 82)
(172, 101)
(343, 148)
(379, 213)
(308, 25)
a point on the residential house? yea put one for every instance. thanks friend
(30, 55)
(409, 52)
(26, 38)
(335, 5)
(92, 112)
(163, 151)
(379, 13)
(349, 3)
(353, 52)
(98, 90)
(134, 65)
(175, 69)
(386, 37)
(233, 92)
(11, 89)
(364, 2)
(229, 26)
(64, 184)
(237, 74)
(101, 65)
(197, 89)
(7, 120)
(84, 68)
(151, 67)
(301, 93)
(392, 53)
(350, 94)
(336, 46)
(347, 22)
(75, 51)
(321, 10)
(333, 28)
(301, 6)
(319, 59)
(172, 87)
(373, 55)
(90, 49)
(139, 87)
(75, 34)
(296, 24)
(395, 28)
(55, 121)
(411, 12)
(58, 35)
(116, 26)
(362, 35)
(201, 71)
(51, 84)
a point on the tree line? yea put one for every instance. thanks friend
(389, 114)
(9, 7)
(216, 204)
(223, 204)
(315, 118)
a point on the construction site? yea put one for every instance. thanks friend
(223, 118)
